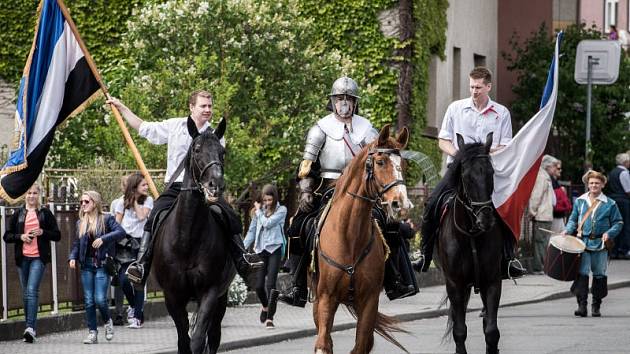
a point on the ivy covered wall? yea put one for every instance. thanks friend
(100, 22)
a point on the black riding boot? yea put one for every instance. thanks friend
(138, 271)
(244, 262)
(426, 252)
(298, 294)
(599, 291)
(580, 290)
(394, 286)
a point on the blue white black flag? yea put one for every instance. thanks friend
(57, 83)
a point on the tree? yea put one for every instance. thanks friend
(609, 131)
(266, 69)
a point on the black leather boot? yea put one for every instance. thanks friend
(272, 303)
(599, 291)
(244, 262)
(580, 290)
(298, 294)
(138, 271)
(395, 288)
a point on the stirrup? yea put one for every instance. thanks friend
(253, 260)
(135, 273)
(518, 267)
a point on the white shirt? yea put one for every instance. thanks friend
(624, 178)
(130, 222)
(463, 118)
(173, 132)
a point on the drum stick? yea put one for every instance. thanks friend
(547, 230)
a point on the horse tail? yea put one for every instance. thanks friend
(449, 323)
(384, 326)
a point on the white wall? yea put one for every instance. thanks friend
(472, 27)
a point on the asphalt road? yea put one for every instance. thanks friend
(546, 327)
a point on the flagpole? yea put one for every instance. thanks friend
(119, 119)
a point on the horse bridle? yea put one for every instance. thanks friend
(197, 181)
(473, 208)
(371, 180)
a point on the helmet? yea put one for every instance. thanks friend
(345, 86)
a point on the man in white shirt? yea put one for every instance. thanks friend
(473, 118)
(176, 134)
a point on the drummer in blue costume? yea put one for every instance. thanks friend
(596, 219)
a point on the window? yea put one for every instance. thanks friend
(610, 14)
(480, 60)
(457, 72)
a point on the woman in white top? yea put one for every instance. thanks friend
(132, 214)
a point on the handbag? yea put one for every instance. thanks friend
(111, 266)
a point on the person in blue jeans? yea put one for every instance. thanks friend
(31, 229)
(266, 232)
(97, 234)
(132, 215)
(596, 219)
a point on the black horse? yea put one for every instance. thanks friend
(191, 261)
(470, 244)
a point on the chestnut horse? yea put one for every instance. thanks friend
(351, 249)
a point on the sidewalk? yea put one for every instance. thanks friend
(241, 327)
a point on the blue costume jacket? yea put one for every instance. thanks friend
(606, 218)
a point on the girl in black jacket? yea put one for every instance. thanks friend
(31, 229)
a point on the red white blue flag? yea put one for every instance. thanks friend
(516, 166)
(57, 83)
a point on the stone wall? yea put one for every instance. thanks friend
(7, 114)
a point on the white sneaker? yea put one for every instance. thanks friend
(135, 323)
(92, 338)
(130, 313)
(29, 335)
(109, 329)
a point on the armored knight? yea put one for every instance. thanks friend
(330, 146)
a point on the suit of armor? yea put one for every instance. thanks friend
(330, 146)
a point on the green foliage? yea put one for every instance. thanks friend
(353, 29)
(100, 22)
(430, 40)
(17, 20)
(609, 126)
(268, 63)
(265, 67)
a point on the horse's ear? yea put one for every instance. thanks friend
(383, 135)
(192, 128)
(403, 137)
(220, 129)
(488, 142)
(460, 141)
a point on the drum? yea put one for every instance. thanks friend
(562, 261)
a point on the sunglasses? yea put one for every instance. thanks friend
(85, 201)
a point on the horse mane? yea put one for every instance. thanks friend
(354, 167)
